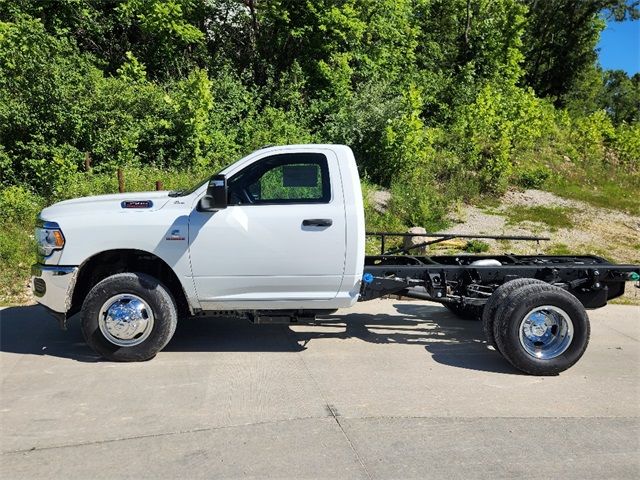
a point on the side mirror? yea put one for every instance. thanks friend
(216, 196)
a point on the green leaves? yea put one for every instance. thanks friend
(164, 19)
(432, 95)
(626, 146)
(132, 70)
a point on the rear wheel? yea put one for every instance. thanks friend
(541, 329)
(128, 317)
(495, 302)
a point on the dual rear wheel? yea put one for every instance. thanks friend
(539, 328)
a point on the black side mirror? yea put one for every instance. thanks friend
(216, 196)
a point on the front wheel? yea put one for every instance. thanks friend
(541, 329)
(128, 317)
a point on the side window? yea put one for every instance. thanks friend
(284, 178)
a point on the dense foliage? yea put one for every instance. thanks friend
(433, 90)
(441, 100)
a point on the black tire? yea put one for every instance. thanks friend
(515, 308)
(150, 290)
(495, 302)
(466, 312)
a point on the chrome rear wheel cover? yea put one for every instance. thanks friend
(546, 332)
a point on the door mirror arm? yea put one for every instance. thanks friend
(216, 197)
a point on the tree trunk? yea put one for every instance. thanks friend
(120, 181)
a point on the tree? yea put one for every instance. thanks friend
(621, 96)
(561, 37)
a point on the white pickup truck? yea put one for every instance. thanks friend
(279, 236)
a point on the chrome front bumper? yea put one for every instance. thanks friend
(52, 286)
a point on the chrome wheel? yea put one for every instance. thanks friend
(546, 332)
(125, 320)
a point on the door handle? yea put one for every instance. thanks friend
(317, 222)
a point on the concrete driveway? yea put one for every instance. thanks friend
(389, 389)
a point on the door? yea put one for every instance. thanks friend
(282, 237)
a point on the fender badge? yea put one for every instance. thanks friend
(175, 235)
(137, 204)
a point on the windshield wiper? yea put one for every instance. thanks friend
(176, 193)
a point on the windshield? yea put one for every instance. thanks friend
(188, 191)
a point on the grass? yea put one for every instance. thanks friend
(625, 301)
(17, 254)
(607, 189)
(584, 249)
(505, 246)
(597, 250)
(553, 217)
(476, 246)
(488, 203)
(559, 249)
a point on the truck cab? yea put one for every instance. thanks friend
(280, 229)
(290, 236)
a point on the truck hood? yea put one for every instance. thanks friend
(105, 204)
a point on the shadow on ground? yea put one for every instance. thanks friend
(31, 331)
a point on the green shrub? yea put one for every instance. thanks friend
(273, 126)
(476, 246)
(18, 206)
(627, 146)
(17, 254)
(534, 176)
(376, 219)
(589, 136)
(559, 249)
(361, 123)
(503, 119)
(18, 210)
(406, 142)
(141, 179)
(418, 204)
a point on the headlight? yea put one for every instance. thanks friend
(49, 237)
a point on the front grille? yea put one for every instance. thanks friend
(39, 286)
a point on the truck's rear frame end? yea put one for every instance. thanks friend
(471, 279)
(592, 280)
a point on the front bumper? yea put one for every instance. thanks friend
(53, 285)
